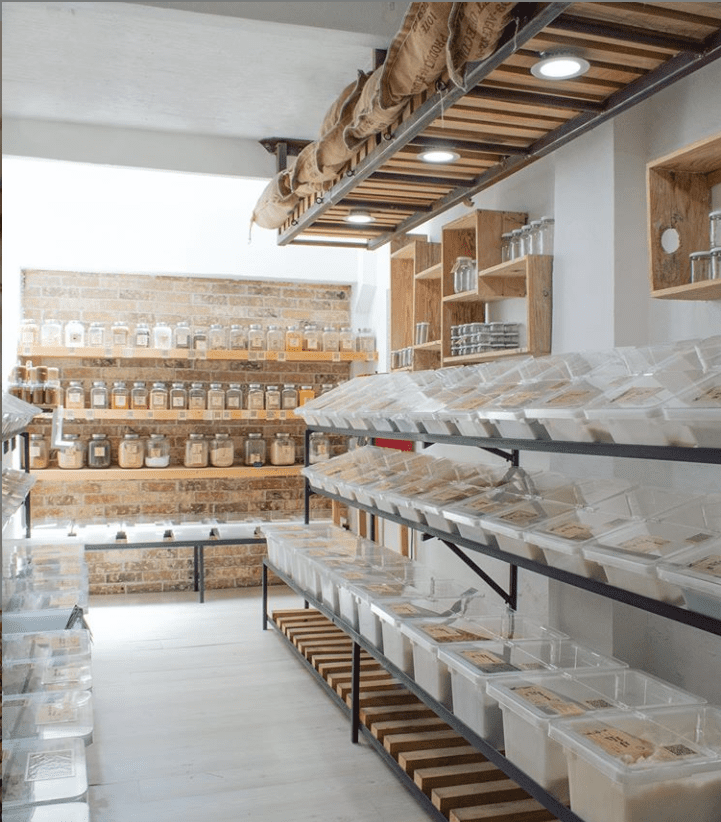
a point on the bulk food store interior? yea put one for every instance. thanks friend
(338, 481)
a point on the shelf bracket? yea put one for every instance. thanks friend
(510, 598)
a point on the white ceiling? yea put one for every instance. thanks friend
(246, 70)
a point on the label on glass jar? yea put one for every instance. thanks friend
(196, 450)
(488, 662)
(216, 401)
(98, 451)
(550, 703)
(196, 402)
(449, 633)
(255, 459)
(644, 544)
(256, 343)
(36, 450)
(233, 402)
(120, 402)
(708, 565)
(27, 337)
(178, 402)
(312, 344)
(142, 339)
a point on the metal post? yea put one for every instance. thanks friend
(201, 563)
(306, 484)
(264, 587)
(355, 694)
(195, 568)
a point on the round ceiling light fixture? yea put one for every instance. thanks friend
(559, 65)
(359, 216)
(438, 154)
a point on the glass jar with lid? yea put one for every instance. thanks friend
(515, 247)
(71, 454)
(318, 448)
(159, 396)
(99, 395)
(162, 336)
(282, 449)
(196, 452)
(74, 334)
(197, 397)
(525, 245)
(366, 340)
(119, 396)
(256, 397)
(506, 247)
(346, 340)
(256, 337)
(289, 397)
(75, 395)
(29, 332)
(234, 397)
(535, 238)
(272, 398)
(119, 334)
(39, 449)
(96, 335)
(700, 266)
(182, 336)
(37, 392)
(54, 394)
(139, 398)
(274, 338)
(217, 337)
(131, 451)
(157, 451)
(254, 450)
(221, 451)
(331, 339)
(141, 337)
(312, 338)
(293, 338)
(216, 397)
(238, 338)
(716, 263)
(200, 339)
(306, 394)
(51, 333)
(714, 219)
(546, 230)
(325, 388)
(99, 451)
(178, 396)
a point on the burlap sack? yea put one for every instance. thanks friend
(370, 115)
(276, 202)
(473, 33)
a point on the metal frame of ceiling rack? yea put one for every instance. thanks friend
(503, 118)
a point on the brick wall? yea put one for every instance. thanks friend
(203, 301)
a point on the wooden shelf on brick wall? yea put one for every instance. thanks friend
(170, 473)
(189, 415)
(679, 198)
(191, 354)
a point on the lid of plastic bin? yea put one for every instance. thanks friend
(697, 569)
(635, 689)
(431, 634)
(527, 515)
(59, 812)
(574, 529)
(645, 501)
(479, 661)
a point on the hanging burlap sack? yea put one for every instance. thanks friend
(276, 202)
(370, 116)
(473, 33)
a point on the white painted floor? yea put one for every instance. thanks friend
(201, 715)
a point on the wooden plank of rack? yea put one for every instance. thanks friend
(486, 356)
(705, 290)
(539, 304)
(175, 473)
(702, 157)
(184, 353)
(432, 273)
(433, 345)
(70, 414)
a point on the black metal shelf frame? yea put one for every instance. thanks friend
(540, 794)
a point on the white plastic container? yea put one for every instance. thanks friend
(695, 415)
(53, 715)
(43, 771)
(626, 767)
(697, 572)
(471, 515)
(562, 412)
(510, 526)
(507, 412)
(56, 812)
(704, 513)
(55, 645)
(46, 675)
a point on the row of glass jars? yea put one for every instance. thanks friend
(475, 338)
(706, 265)
(534, 238)
(254, 337)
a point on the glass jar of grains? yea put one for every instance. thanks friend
(275, 338)
(182, 337)
(51, 333)
(131, 451)
(289, 397)
(272, 398)
(217, 339)
(319, 447)
(178, 396)
(120, 396)
(99, 451)
(99, 395)
(29, 332)
(282, 449)
(216, 397)
(157, 451)
(221, 451)
(306, 394)
(331, 339)
(254, 450)
(293, 339)
(139, 398)
(39, 452)
(141, 338)
(234, 397)
(54, 394)
(74, 334)
(75, 395)
(159, 396)
(256, 397)
(200, 339)
(197, 397)
(312, 338)
(71, 454)
(119, 334)
(238, 338)
(346, 340)
(96, 336)
(256, 338)
(162, 336)
(196, 452)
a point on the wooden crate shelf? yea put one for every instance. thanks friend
(171, 473)
(190, 354)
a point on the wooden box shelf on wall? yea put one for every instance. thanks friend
(679, 197)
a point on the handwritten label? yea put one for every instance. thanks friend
(489, 663)
(708, 565)
(53, 712)
(449, 633)
(572, 530)
(645, 544)
(550, 703)
(58, 764)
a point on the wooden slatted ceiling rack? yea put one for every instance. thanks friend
(504, 118)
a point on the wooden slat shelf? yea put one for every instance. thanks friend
(435, 272)
(170, 473)
(707, 290)
(486, 356)
(71, 414)
(433, 345)
(186, 354)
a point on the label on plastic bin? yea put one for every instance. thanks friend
(520, 517)
(700, 537)
(58, 764)
(448, 633)
(572, 530)
(52, 712)
(571, 398)
(620, 744)
(64, 673)
(637, 396)
(712, 394)
(489, 663)
(385, 589)
(645, 544)
(484, 506)
(708, 565)
(58, 643)
(406, 609)
(547, 701)
(6, 759)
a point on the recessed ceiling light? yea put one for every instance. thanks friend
(439, 155)
(559, 66)
(359, 216)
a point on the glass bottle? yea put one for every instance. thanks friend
(131, 451)
(51, 333)
(254, 450)
(119, 396)
(182, 338)
(234, 397)
(162, 336)
(346, 340)
(200, 339)
(256, 338)
(312, 338)
(196, 452)
(547, 230)
(74, 334)
(366, 341)
(714, 219)
(217, 339)
(159, 396)
(256, 398)
(139, 398)
(141, 337)
(536, 238)
(72, 453)
(274, 338)
(75, 395)
(516, 244)
(282, 449)
(272, 398)
(289, 397)
(305, 394)
(97, 335)
(525, 242)
(216, 397)
(197, 397)
(37, 392)
(99, 451)
(325, 388)
(319, 447)
(29, 332)
(293, 338)
(238, 338)
(506, 247)
(39, 452)
(119, 334)
(331, 339)
(178, 396)
(99, 394)
(157, 451)
(700, 266)
(222, 451)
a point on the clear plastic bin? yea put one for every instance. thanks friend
(629, 768)
(695, 415)
(645, 502)
(510, 526)
(46, 675)
(704, 513)
(74, 643)
(506, 414)
(60, 812)
(580, 493)
(31, 621)
(51, 715)
(697, 572)
(471, 515)
(630, 556)
(37, 771)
